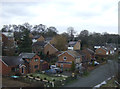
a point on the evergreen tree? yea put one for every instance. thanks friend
(73, 66)
(26, 42)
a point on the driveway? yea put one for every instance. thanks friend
(97, 76)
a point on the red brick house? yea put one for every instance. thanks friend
(74, 45)
(23, 64)
(65, 59)
(38, 47)
(102, 51)
(50, 49)
(44, 47)
(90, 55)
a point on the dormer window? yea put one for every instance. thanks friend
(65, 58)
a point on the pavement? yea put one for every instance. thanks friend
(97, 76)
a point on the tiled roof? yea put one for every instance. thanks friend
(39, 43)
(12, 60)
(72, 43)
(74, 53)
(27, 55)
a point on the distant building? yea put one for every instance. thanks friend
(74, 45)
(90, 54)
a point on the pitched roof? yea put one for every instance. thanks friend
(72, 43)
(48, 39)
(36, 37)
(89, 50)
(51, 46)
(72, 53)
(39, 43)
(80, 52)
(27, 55)
(12, 60)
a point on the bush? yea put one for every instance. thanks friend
(31, 75)
(53, 79)
(38, 77)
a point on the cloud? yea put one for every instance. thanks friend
(93, 15)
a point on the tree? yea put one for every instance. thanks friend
(73, 66)
(60, 42)
(71, 32)
(84, 33)
(66, 35)
(26, 42)
(51, 31)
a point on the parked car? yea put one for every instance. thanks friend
(58, 70)
(52, 66)
(96, 63)
(50, 71)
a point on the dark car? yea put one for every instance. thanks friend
(58, 70)
(50, 71)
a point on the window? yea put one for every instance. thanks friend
(61, 65)
(22, 70)
(65, 58)
(36, 66)
(36, 60)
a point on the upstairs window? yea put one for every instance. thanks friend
(36, 59)
(65, 58)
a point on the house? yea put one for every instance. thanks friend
(31, 35)
(38, 47)
(102, 51)
(90, 55)
(12, 65)
(51, 40)
(23, 64)
(84, 62)
(38, 38)
(65, 59)
(74, 45)
(110, 47)
(44, 47)
(50, 49)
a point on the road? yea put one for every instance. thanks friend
(97, 76)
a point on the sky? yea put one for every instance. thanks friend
(92, 15)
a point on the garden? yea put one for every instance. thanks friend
(49, 80)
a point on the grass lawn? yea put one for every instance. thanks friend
(48, 77)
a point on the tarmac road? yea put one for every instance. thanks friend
(97, 76)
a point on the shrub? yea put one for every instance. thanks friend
(53, 79)
(73, 66)
(31, 75)
(38, 77)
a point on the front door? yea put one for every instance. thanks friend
(22, 70)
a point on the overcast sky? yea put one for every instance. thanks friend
(92, 15)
